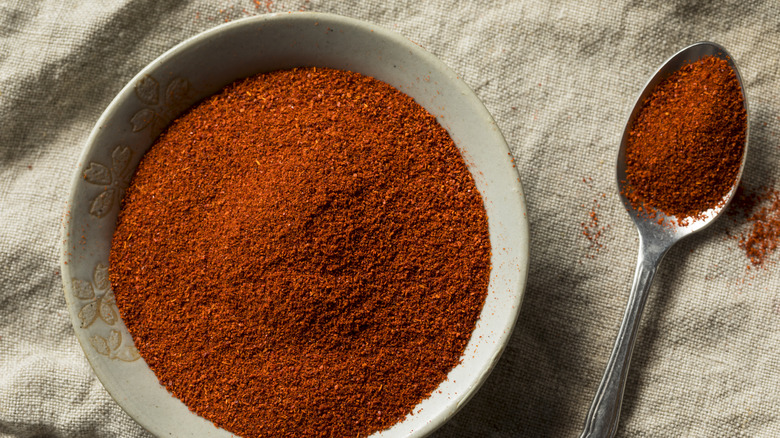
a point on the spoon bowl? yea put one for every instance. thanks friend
(657, 234)
(672, 224)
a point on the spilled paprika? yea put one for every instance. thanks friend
(759, 209)
(684, 150)
(303, 254)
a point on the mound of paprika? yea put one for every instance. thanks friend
(303, 254)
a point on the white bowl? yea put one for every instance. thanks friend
(198, 68)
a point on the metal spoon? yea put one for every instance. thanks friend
(655, 240)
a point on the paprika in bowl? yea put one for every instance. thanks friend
(321, 46)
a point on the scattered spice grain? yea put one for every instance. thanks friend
(303, 254)
(592, 229)
(684, 150)
(759, 208)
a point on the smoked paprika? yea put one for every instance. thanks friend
(684, 150)
(303, 254)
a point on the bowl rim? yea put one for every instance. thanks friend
(521, 226)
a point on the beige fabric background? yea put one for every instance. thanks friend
(560, 78)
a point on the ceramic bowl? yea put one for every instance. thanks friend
(199, 67)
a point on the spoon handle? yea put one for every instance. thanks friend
(604, 413)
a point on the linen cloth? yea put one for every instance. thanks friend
(560, 78)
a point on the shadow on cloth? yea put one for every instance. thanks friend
(531, 388)
(85, 80)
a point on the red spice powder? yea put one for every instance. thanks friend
(303, 254)
(592, 229)
(760, 210)
(268, 4)
(684, 150)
